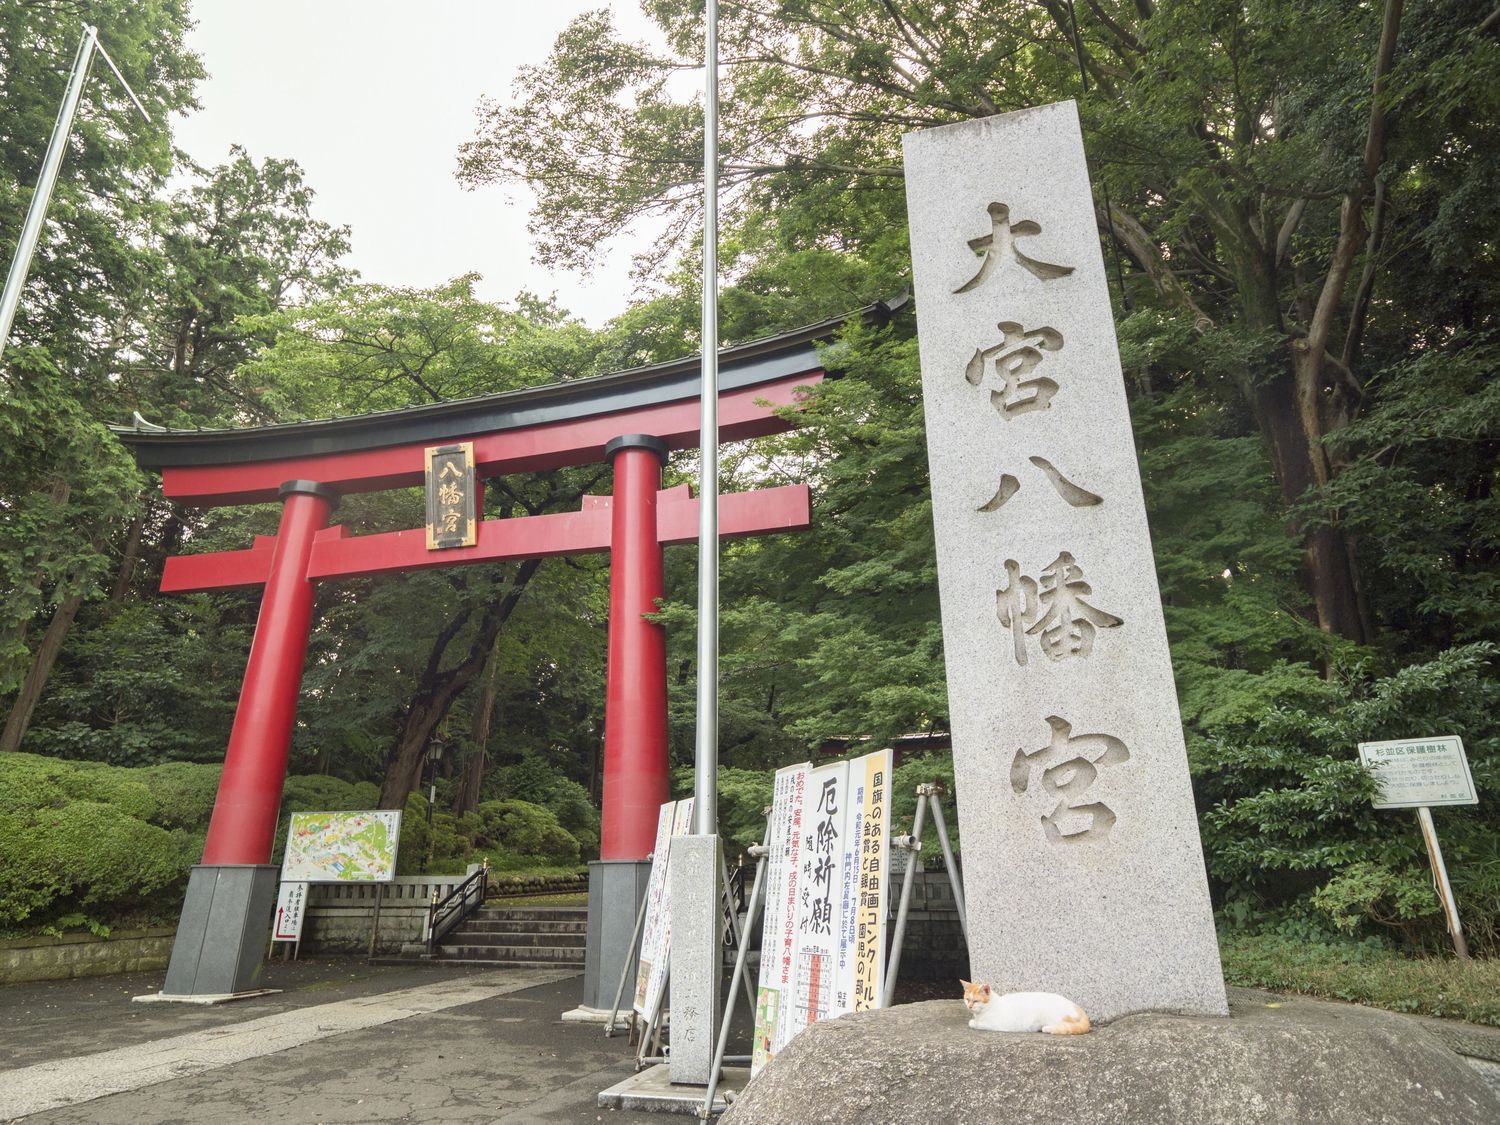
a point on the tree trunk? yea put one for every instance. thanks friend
(41, 667)
(438, 688)
(13, 635)
(467, 797)
(127, 562)
(1293, 429)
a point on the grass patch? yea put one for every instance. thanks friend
(1365, 973)
(577, 898)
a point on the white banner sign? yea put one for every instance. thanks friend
(656, 934)
(823, 936)
(866, 883)
(1416, 772)
(778, 935)
(819, 899)
(291, 902)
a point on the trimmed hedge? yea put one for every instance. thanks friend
(86, 844)
(82, 842)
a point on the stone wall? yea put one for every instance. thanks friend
(84, 955)
(339, 915)
(934, 944)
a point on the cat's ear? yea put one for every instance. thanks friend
(965, 983)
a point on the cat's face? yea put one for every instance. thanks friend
(976, 996)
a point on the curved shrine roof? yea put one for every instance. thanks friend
(743, 366)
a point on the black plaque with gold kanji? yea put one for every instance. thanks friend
(452, 496)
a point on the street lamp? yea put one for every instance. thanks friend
(434, 756)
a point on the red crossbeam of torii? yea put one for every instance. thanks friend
(337, 554)
(631, 420)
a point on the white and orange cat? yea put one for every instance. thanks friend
(1023, 1011)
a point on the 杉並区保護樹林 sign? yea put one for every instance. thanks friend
(1420, 772)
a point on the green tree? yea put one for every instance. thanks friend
(238, 243)
(1257, 157)
(369, 348)
(64, 486)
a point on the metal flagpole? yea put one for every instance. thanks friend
(706, 755)
(36, 214)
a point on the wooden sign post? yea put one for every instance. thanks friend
(1419, 773)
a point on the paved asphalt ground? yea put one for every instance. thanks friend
(345, 1042)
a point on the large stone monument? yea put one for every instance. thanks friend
(1082, 863)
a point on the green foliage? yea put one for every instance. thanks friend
(65, 483)
(1364, 892)
(525, 832)
(1286, 805)
(64, 480)
(533, 780)
(1420, 492)
(141, 686)
(30, 783)
(921, 771)
(1364, 972)
(80, 840)
(743, 795)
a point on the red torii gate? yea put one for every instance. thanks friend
(631, 418)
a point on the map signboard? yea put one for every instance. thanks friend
(1420, 772)
(342, 847)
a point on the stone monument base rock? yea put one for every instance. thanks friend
(1301, 1061)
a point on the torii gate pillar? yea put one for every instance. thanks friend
(635, 720)
(221, 936)
(635, 713)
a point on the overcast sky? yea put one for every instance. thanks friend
(373, 98)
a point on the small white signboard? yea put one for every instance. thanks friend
(290, 905)
(1420, 772)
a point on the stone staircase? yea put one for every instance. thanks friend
(525, 936)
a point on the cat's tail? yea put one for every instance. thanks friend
(1074, 1023)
